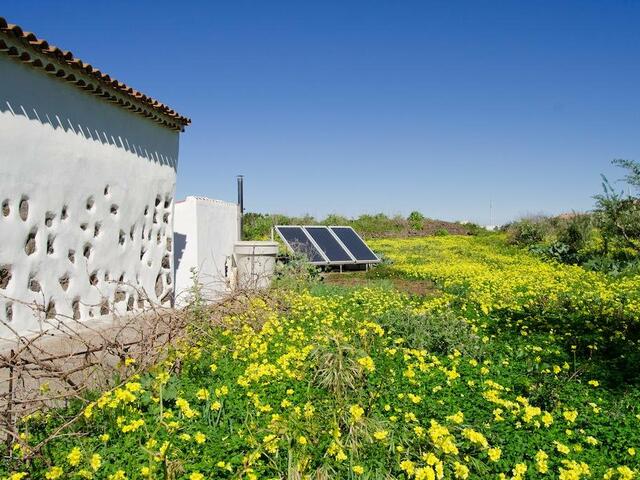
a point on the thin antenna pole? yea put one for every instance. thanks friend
(491, 212)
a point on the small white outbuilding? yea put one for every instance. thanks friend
(209, 254)
(205, 231)
(87, 182)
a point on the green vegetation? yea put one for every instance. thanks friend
(514, 368)
(257, 226)
(607, 239)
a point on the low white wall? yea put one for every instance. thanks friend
(205, 231)
(86, 192)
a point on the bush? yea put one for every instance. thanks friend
(441, 232)
(257, 226)
(475, 229)
(416, 220)
(618, 214)
(296, 274)
(576, 232)
(335, 219)
(526, 232)
(380, 223)
(439, 333)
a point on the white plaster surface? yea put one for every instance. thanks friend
(62, 148)
(205, 231)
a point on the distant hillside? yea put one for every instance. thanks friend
(258, 225)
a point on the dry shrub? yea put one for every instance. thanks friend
(70, 358)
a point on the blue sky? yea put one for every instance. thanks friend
(377, 106)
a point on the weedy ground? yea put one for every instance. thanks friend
(510, 368)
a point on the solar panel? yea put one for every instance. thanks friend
(355, 245)
(329, 245)
(298, 241)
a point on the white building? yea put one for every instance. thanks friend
(205, 232)
(87, 180)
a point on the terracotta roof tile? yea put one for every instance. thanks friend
(68, 64)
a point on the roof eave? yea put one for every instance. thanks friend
(26, 48)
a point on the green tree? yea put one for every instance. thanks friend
(617, 213)
(416, 220)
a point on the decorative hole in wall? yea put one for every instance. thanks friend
(23, 208)
(50, 311)
(8, 310)
(159, 287)
(5, 276)
(64, 282)
(50, 241)
(34, 284)
(75, 306)
(30, 244)
(70, 289)
(48, 218)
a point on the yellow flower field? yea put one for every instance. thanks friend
(497, 277)
(371, 383)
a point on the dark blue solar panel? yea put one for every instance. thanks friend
(328, 244)
(300, 243)
(354, 243)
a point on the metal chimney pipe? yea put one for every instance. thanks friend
(240, 204)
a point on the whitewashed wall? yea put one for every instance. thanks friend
(205, 232)
(87, 201)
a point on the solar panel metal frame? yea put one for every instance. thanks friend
(342, 245)
(377, 258)
(326, 261)
(315, 245)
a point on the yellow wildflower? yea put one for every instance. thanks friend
(74, 456)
